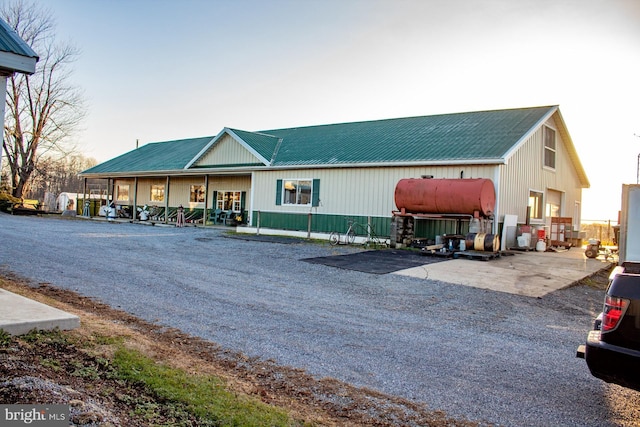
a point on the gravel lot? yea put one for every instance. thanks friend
(473, 353)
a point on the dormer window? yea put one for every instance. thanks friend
(549, 137)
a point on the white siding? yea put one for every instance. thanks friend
(227, 151)
(180, 191)
(144, 191)
(229, 183)
(114, 196)
(353, 191)
(525, 171)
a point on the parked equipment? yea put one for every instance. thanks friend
(595, 248)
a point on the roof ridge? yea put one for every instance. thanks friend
(407, 118)
(254, 132)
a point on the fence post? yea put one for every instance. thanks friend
(309, 226)
(258, 224)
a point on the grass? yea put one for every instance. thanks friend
(171, 396)
(5, 338)
(204, 396)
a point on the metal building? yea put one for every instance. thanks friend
(309, 179)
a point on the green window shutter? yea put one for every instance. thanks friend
(243, 200)
(215, 200)
(315, 196)
(279, 192)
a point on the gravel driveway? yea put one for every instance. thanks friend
(473, 353)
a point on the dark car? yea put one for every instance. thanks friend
(612, 350)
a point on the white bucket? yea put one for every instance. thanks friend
(541, 246)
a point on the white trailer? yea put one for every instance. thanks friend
(629, 242)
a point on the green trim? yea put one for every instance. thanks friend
(320, 223)
(279, 192)
(315, 197)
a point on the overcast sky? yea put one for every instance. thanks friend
(156, 70)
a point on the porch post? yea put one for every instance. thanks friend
(205, 214)
(135, 198)
(166, 202)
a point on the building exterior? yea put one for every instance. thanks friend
(309, 179)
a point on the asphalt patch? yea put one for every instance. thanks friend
(376, 262)
(269, 239)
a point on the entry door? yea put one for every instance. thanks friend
(554, 203)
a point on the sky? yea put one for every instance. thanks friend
(158, 70)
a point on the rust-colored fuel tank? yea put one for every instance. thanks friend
(445, 196)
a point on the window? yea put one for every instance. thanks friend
(226, 200)
(301, 192)
(197, 194)
(297, 192)
(535, 205)
(157, 193)
(549, 136)
(123, 193)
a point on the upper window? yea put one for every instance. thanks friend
(197, 194)
(297, 192)
(549, 136)
(123, 193)
(536, 205)
(157, 193)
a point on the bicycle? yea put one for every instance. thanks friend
(372, 239)
(349, 235)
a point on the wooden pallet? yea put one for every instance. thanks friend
(477, 255)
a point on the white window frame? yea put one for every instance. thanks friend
(123, 192)
(539, 207)
(158, 194)
(195, 195)
(291, 186)
(552, 151)
(223, 198)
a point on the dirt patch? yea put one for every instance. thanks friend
(59, 372)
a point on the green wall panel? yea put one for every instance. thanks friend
(320, 223)
(430, 228)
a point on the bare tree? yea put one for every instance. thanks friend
(60, 174)
(43, 110)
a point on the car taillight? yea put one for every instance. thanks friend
(614, 309)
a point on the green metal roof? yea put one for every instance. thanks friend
(484, 135)
(157, 156)
(265, 145)
(15, 54)
(12, 43)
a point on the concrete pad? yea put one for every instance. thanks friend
(19, 315)
(531, 274)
